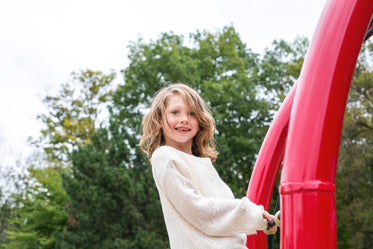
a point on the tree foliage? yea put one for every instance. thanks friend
(280, 67)
(355, 168)
(71, 120)
(5, 215)
(113, 203)
(42, 211)
(73, 113)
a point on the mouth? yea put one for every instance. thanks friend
(182, 129)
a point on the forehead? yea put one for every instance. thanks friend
(175, 100)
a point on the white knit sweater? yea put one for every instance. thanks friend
(199, 209)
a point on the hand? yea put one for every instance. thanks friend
(278, 218)
(270, 229)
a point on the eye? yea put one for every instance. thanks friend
(175, 112)
(192, 114)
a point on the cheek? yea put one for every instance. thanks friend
(168, 122)
(195, 123)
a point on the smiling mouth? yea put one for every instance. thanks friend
(183, 129)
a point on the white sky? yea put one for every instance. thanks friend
(43, 41)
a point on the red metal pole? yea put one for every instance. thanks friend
(307, 181)
(268, 163)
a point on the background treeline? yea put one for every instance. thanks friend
(89, 186)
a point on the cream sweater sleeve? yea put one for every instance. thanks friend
(212, 216)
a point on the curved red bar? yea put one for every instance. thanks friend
(268, 163)
(307, 181)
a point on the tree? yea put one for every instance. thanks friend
(355, 166)
(5, 214)
(280, 67)
(113, 201)
(73, 117)
(12, 186)
(73, 113)
(42, 211)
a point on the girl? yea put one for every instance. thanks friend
(198, 207)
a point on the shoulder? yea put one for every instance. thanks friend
(163, 152)
(166, 160)
(165, 155)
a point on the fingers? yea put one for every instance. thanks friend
(278, 219)
(271, 227)
(266, 215)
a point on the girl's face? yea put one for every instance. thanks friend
(179, 124)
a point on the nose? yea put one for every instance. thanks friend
(184, 118)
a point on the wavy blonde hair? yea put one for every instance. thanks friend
(152, 137)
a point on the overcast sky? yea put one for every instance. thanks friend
(43, 41)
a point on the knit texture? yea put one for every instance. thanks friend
(199, 209)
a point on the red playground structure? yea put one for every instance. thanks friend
(305, 134)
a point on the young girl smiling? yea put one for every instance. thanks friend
(199, 209)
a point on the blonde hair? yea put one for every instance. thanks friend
(152, 137)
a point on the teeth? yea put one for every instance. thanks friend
(182, 129)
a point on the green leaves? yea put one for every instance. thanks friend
(42, 212)
(113, 200)
(73, 113)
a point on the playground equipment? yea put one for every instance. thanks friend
(305, 134)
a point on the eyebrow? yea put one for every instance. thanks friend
(177, 106)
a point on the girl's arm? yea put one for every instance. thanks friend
(213, 216)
